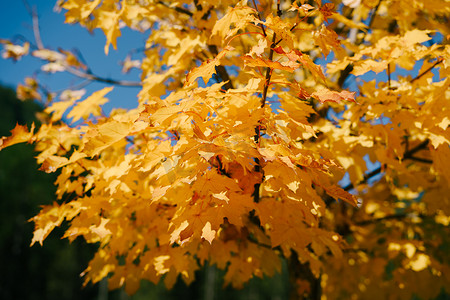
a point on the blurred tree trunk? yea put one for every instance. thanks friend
(300, 276)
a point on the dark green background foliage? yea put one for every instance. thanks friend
(48, 272)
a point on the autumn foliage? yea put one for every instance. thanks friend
(250, 113)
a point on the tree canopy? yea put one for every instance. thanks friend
(307, 131)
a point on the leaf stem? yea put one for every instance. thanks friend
(389, 75)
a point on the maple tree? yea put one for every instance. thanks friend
(243, 131)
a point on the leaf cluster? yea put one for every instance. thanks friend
(233, 157)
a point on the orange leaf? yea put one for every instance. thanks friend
(326, 10)
(304, 59)
(20, 134)
(326, 39)
(339, 193)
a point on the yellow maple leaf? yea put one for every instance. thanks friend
(108, 21)
(416, 36)
(50, 217)
(207, 68)
(281, 28)
(325, 95)
(53, 162)
(29, 90)
(91, 105)
(58, 109)
(234, 16)
(419, 262)
(221, 196)
(101, 137)
(186, 45)
(370, 65)
(159, 192)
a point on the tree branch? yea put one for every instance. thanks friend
(408, 155)
(254, 241)
(36, 31)
(268, 72)
(92, 77)
(372, 17)
(263, 100)
(366, 178)
(260, 18)
(85, 75)
(389, 217)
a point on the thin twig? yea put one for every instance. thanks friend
(268, 72)
(372, 17)
(93, 77)
(365, 178)
(408, 155)
(34, 16)
(389, 217)
(80, 56)
(279, 8)
(254, 241)
(78, 86)
(389, 75)
(427, 70)
(260, 18)
(85, 75)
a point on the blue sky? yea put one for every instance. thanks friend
(15, 22)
